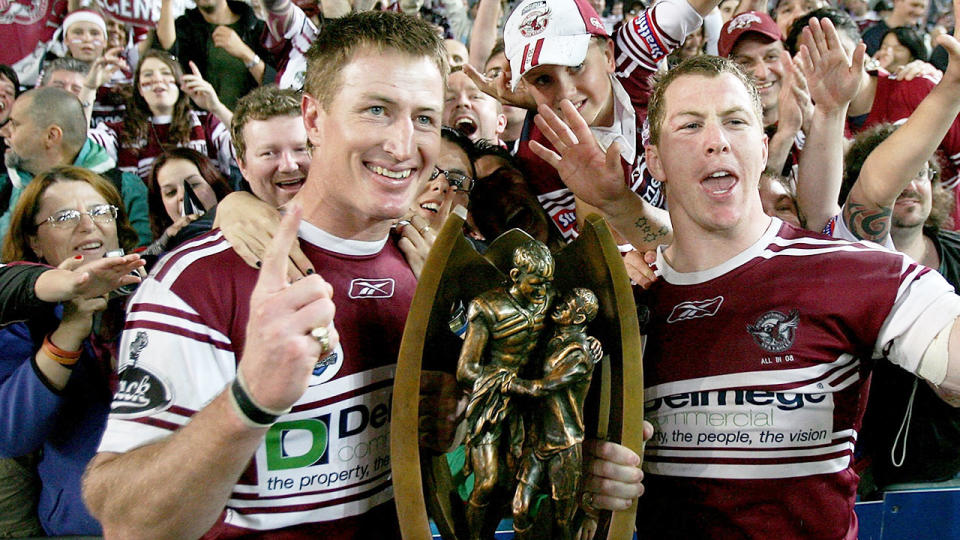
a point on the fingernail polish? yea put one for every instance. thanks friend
(311, 271)
(259, 264)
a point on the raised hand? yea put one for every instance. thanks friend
(74, 279)
(104, 67)
(227, 39)
(203, 94)
(499, 87)
(952, 44)
(795, 106)
(592, 174)
(833, 77)
(280, 353)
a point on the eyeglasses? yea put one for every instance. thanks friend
(927, 173)
(460, 182)
(101, 213)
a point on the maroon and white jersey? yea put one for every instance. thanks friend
(895, 101)
(756, 377)
(324, 468)
(638, 45)
(208, 136)
(289, 38)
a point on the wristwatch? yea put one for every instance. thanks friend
(253, 62)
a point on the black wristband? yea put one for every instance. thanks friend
(248, 408)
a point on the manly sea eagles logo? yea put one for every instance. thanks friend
(774, 331)
(536, 17)
(745, 20)
(139, 392)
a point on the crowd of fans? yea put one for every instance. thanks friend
(137, 143)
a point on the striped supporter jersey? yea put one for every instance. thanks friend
(639, 44)
(323, 470)
(756, 378)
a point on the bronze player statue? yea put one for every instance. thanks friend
(503, 327)
(553, 449)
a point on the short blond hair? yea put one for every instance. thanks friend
(340, 38)
(706, 66)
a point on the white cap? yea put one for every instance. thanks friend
(554, 32)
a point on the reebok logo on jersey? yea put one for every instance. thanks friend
(775, 331)
(696, 309)
(371, 288)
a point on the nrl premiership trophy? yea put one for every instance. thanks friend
(513, 327)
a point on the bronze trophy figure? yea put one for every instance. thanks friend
(538, 385)
(552, 452)
(503, 326)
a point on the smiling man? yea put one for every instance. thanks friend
(271, 144)
(560, 50)
(754, 42)
(264, 417)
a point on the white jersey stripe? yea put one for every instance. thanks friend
(748, 472)
(761, 379)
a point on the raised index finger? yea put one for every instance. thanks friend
(273, 271)
(195, 69)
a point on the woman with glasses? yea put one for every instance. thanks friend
(452, 180)
(55, 372)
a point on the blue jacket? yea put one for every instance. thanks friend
(66, 425)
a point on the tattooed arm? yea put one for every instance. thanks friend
(899, 162)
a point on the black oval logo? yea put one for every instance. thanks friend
(140, 393)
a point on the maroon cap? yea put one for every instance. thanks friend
(744, 23)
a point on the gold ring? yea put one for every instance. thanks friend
(322, 335)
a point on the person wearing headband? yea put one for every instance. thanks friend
(85, 35)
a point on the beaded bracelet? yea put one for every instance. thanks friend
(66, 359)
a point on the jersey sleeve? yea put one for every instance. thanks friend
(106, 136)
(924, 306)
(171, 365)
(219, 143)
(651, 36)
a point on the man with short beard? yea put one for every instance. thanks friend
(236, 62)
